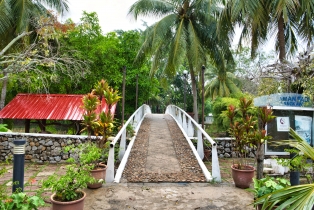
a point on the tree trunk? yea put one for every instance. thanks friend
(4, 90)
(194, 92)
(281, 38)
(3, 93)
(260, 161)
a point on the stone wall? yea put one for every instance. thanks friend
(225, 148)
(39, 148)
(48, 148)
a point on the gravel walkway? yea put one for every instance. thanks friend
(138, 169)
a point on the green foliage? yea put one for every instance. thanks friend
(294, 197)
(20, 201)
(84, 154)
(296, 163)
(220, 106)
(268, 185)
(4, 128)
(17, 200)
(67, 186)
(100, 122)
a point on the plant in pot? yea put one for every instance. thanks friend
(247, 126)
(89, 156)
(98, 119)
(68, 188)
(264, 186)
(296, 163)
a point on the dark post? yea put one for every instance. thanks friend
(18, 164)
(123, 94)
(203, 95)
(136, 92)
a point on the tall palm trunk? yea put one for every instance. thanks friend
(194, 92)
(281, 39)
(282, 45)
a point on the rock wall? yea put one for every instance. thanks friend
(48, 148)
(225, 148)
(39, 148)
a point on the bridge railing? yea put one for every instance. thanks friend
(190, 127)
(135, 121)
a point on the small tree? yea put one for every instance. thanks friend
(248, 130)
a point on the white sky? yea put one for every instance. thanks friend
(112, 14)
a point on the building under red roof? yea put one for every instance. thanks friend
(47, 107)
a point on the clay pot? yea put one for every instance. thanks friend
(207, 154)
(98, 173)
(242, 178)
(70, 205)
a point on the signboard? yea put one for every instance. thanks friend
(283, 124)
(284, 99)
(303, 127)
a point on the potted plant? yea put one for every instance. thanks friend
(68, 188)
(264, 186)
(89, 156)
(247, 126)
(296, 163)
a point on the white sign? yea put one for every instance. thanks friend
(303, 127)
(283, 124)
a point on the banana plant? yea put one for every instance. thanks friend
(294, 197)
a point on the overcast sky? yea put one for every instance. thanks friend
(112, 14)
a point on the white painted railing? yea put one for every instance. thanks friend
(188, 126)
(135, 121)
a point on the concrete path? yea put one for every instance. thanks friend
(161, 156)
(164, 196)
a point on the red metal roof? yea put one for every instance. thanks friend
(47, 106)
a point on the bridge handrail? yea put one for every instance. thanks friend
(135, 120)
(188, 127)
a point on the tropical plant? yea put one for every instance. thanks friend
(294, 197)
(98, 118)
(222, 84)
(90, 105)
(247, 132)
(187, 30)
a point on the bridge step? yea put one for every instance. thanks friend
(161, 154)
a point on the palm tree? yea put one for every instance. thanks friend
(187, 30)
(294, 197)
(222, 83)
(288, 21)
(16, 15)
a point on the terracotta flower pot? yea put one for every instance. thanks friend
(242, 178)
(98, 173)
(207, 154)
(70, 205)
